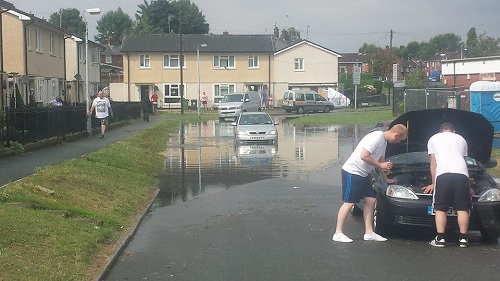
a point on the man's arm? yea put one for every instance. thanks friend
(430, 188)
(367, 157)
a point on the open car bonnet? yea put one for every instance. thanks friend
(422, 124)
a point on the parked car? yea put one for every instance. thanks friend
(255, 128)
(405, 205)
(303, 101)
(232, 105)
(381, 126)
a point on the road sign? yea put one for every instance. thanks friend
(356, 75)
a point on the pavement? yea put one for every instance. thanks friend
(51, 152)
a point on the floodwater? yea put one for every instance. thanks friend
(202, 158)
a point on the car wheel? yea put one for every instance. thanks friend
(489, 236)
(300, 110)
(356, 211)
(327, 109)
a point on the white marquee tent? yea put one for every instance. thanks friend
(338, 99)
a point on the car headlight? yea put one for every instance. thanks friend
(399, 191)
(491, 195)
(241, 133)
(238, 107)
(273, 132)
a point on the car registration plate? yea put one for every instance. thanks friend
(432, 212)
(256, 138)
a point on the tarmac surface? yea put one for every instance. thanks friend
(18, 166)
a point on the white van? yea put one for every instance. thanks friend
(232, 105)
(304, 101)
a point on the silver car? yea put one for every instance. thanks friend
(255, 128)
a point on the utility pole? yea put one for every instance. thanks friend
(181, 62)
(392, 68)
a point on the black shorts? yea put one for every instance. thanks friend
(355, 187)
(452, 190)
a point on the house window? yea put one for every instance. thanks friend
(51, 44)
(343, 69)
(253, 61)
(220, 90)
(223, 61)
(299, 64)
(109, 59)
(38, 40)
(144, 61)
(172, 93)
(28, 41)
(81, 53)
(172, 61)
(94, 53)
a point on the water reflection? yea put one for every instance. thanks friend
(202, 158)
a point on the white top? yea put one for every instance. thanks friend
(449, 149)
(101, 107)
(373, 142)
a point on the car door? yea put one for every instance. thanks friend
(321, 102)
(310, 104)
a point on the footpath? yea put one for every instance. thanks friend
(18, 166)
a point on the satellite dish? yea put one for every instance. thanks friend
(25, 79)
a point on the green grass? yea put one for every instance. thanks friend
(62, 222)
(347, 117)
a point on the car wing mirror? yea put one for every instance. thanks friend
(276, 123)
(233, 123)
(492, 163)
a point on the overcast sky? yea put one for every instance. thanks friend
(339, 25)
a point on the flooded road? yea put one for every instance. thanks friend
(201, 160)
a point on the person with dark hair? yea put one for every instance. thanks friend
(103, 110)
(450, 182)
(146, 106)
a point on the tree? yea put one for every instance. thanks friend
(415, 80)
(485, 46)
(368, 49)
(382, 63)
(114, 25)
(162, 16)
(471, 38)
(69, 19)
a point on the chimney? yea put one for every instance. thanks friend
(283, 35)
(225, 33)
(276, 32)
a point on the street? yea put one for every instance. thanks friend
(280, 228)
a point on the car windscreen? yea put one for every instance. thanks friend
(233, 98)
(255, 119)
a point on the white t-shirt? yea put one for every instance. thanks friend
(101, 107)
(375, 143)
(449, 149)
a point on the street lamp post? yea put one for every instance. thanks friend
(198, 64)
(91, 11)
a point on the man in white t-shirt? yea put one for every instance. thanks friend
(103, 109)
(450, 178)
(356, 179)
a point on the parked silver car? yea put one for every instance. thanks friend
(255, 128)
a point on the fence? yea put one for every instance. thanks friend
(32, 124)
(416, 99)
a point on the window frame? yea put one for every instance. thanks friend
(298, 64)
(51, 40)
(219, 93)
(231, 61)
(144, 61)
(108, 59)
(168, 58)
(38, 40)
(253, 61)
